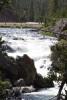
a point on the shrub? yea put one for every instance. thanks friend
(41, 82)
(3, 86)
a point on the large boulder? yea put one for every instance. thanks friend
(14, 69)
(26, 69)
(60, 29)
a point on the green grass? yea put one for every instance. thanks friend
(65, 30)
(47, 33)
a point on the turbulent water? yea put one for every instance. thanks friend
(36, 46)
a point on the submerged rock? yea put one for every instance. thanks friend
(16, 38)
(42, 66)
(9, 49)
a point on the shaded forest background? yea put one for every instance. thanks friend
(33, 10)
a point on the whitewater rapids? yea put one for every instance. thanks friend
(36, 46)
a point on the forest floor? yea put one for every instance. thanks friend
(36, 25)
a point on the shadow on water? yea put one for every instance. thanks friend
(38, 97)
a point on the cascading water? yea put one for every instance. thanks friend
(36, 46)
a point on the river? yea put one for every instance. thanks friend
(36, 46)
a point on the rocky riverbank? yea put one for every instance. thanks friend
(60, 29)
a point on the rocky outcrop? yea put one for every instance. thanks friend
(26, 69)
(14, 69)
(60, 29)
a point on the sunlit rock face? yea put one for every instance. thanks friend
(28, 41)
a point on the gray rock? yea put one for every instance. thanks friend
(59, 28)
(20, 82)
(16, 38)
(27, 89)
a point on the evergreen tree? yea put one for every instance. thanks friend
(59, 63)
(3, 2)
(31, 11)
